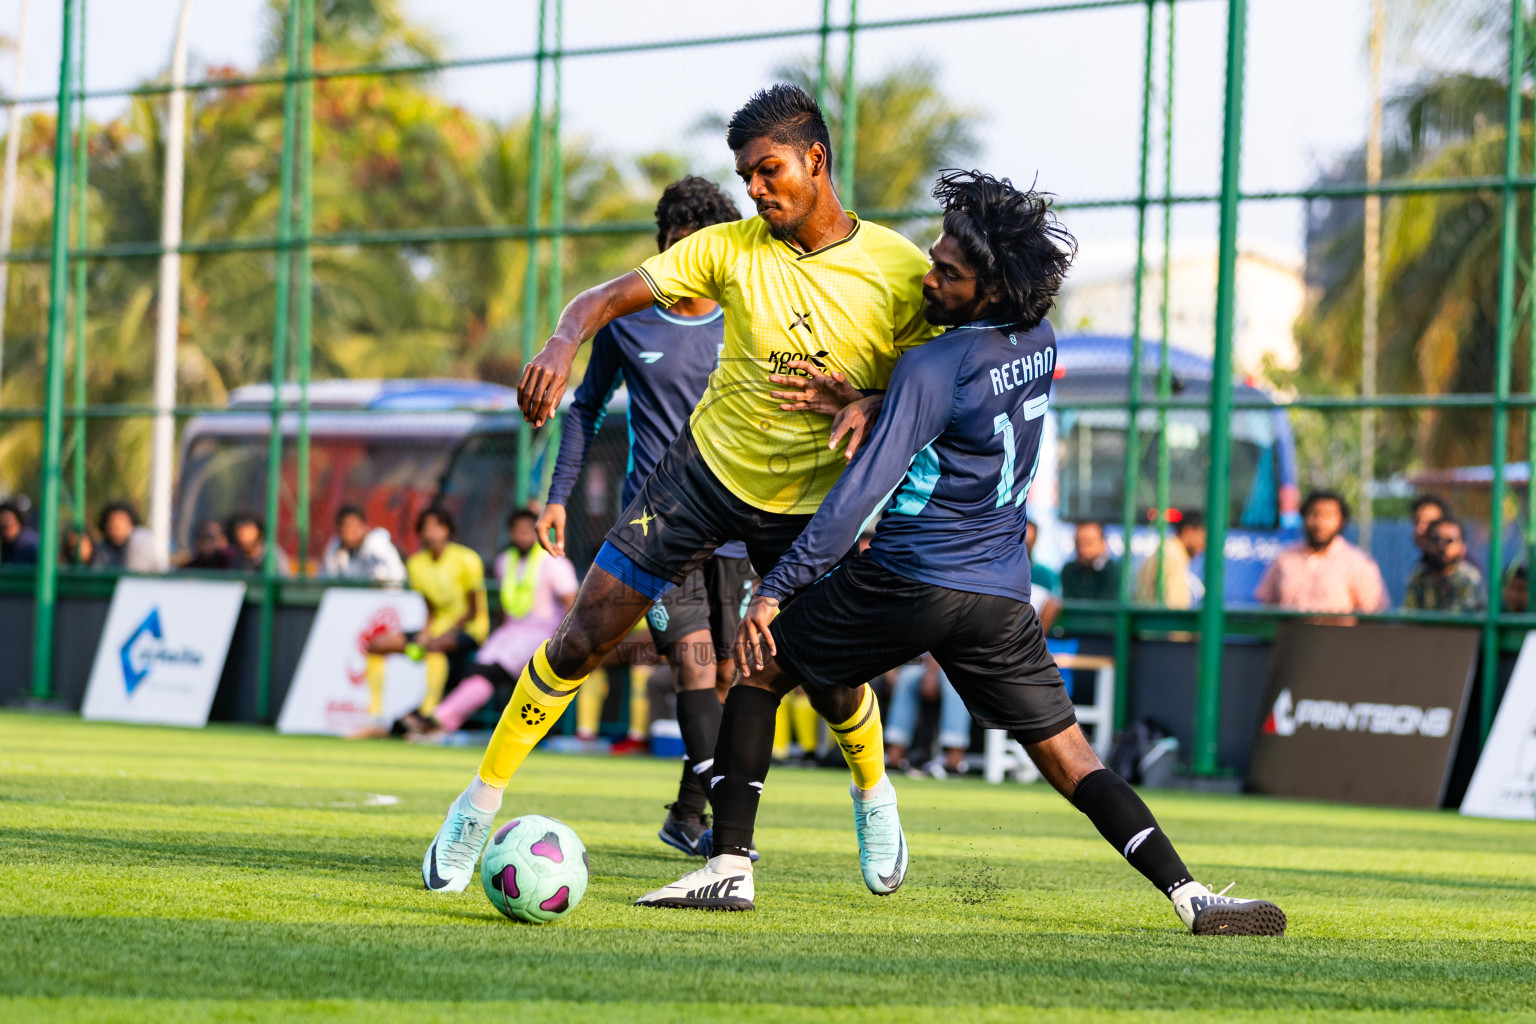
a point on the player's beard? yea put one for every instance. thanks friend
(785, 231)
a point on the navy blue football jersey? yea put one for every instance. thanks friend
(955, 447)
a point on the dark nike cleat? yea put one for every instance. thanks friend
(682, 833)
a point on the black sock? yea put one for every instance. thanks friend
(742, 757)
(1125, 820)
(698, 719)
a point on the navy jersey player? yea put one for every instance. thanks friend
(956, 446)
(664, 357)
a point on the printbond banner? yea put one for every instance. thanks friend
(330, 692)
(1504, 785)
(1366, 714)
(162, 651)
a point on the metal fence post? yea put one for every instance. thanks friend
(531, 278)
(304, 293)
(821, 60)
(1213, 609)
(1164, 370)
(53, 415)
(1507, 282)
(556, 180)
(1132, 467)
(849, 157)
(82, 240)
(284, 272)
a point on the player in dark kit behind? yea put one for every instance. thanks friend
(664, 358)
(948, 572)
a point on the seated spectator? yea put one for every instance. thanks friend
(247, 534)
(1426, 509)
(1324, 572)
(918, 681)
(451, 579)
(1092, 574)
(125, 544)
(76, 546)
(210, 547)
(360, 553)
(1044, 584)
(18, 541)
(1515, 594)
(1180, 585)
(1443, 580)
(537, 589)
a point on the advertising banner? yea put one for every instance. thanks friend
(330, 691)
(162, 651)
(1504, 785)
(1365, 714)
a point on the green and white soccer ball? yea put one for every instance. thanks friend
(535, 869)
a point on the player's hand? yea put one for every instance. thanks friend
(552, 518)
(817, 392)
(753, 635)
(855, 422)
(544, 379)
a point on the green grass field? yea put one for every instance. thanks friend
(230, 874)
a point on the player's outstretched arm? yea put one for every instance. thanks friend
(546, 375)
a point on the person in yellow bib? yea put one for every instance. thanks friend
(817, 306)
(451, 579)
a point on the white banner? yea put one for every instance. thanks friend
(1504, 785)
(162, 651)
(329, 693)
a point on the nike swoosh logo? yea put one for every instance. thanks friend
(434, 880)
(893, 880)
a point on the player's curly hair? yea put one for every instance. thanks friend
(1011, 238)
(692, 202)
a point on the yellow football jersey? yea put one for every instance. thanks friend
(852, 306)
(446, 583)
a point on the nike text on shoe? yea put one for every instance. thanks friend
(449, 865)
(725, 883)
(882, 844)
(707, 846)
(1208, 913)
(684, 833)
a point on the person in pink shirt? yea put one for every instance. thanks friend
(1324, 572)
(537, 589)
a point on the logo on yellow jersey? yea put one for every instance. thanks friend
(802, 320)
(644, 522)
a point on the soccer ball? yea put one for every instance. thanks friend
(535, 869)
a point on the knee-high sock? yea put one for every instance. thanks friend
(781, 731)
(374, 671)
(804, 721)
(859, 737)
(437, 678)
(742, 757)
(589, 703)
(537, 701)
(1127, 823)
(698, 719)
(639, 707)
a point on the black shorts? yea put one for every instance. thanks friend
(713, 598)
(861, 620)
(680, 516)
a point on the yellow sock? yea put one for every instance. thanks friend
(536, 704)
(860, 738)
(805, 722)
(437, 678)
(374, 670)
(589, 703)
(781, 731)
(639, 707)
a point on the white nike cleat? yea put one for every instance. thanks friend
(1215, 913)
(882, 843)
(724, 883)
(449, 865)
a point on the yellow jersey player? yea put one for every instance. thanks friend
(807, 289)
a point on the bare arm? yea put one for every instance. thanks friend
(545, 377)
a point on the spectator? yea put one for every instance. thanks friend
(125, 544)
(1443, 580)
(1515, 594)
(451, 579)
(76, 547)
(1092, 574)
(210, 547)
(360, 553)
(1324, 572)
(925, 680)
(247, 533)
(537, 589)
(1180, 585)
(1426, 509)
(1044, 584)
(18, 541)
